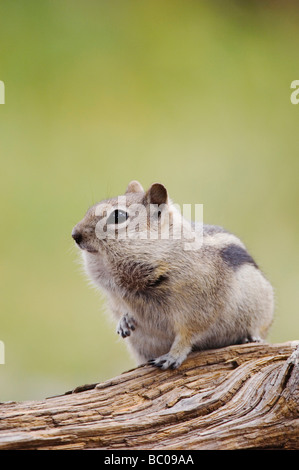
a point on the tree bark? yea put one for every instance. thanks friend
(238, 397)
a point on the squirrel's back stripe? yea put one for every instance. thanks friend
(235, 256)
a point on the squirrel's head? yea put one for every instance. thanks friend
(137, 215)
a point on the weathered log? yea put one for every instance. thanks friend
(238, 397)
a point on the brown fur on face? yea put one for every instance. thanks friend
(176, 299)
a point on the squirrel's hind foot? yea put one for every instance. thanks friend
(167, 361)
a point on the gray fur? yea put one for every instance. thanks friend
(176, 300)
(235, 256)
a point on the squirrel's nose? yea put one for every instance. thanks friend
(77, 236)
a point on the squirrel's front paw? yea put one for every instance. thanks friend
(167, 361)
(126, 325)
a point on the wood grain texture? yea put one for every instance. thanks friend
(238, 397)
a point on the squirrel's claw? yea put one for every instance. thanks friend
(167, 361)
(126, 325)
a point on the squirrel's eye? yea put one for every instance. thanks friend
(117, 217)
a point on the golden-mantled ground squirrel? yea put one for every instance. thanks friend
(167, 296)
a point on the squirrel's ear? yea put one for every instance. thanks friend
(134, 187)
(156, 194)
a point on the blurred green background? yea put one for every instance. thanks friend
(192, 94)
